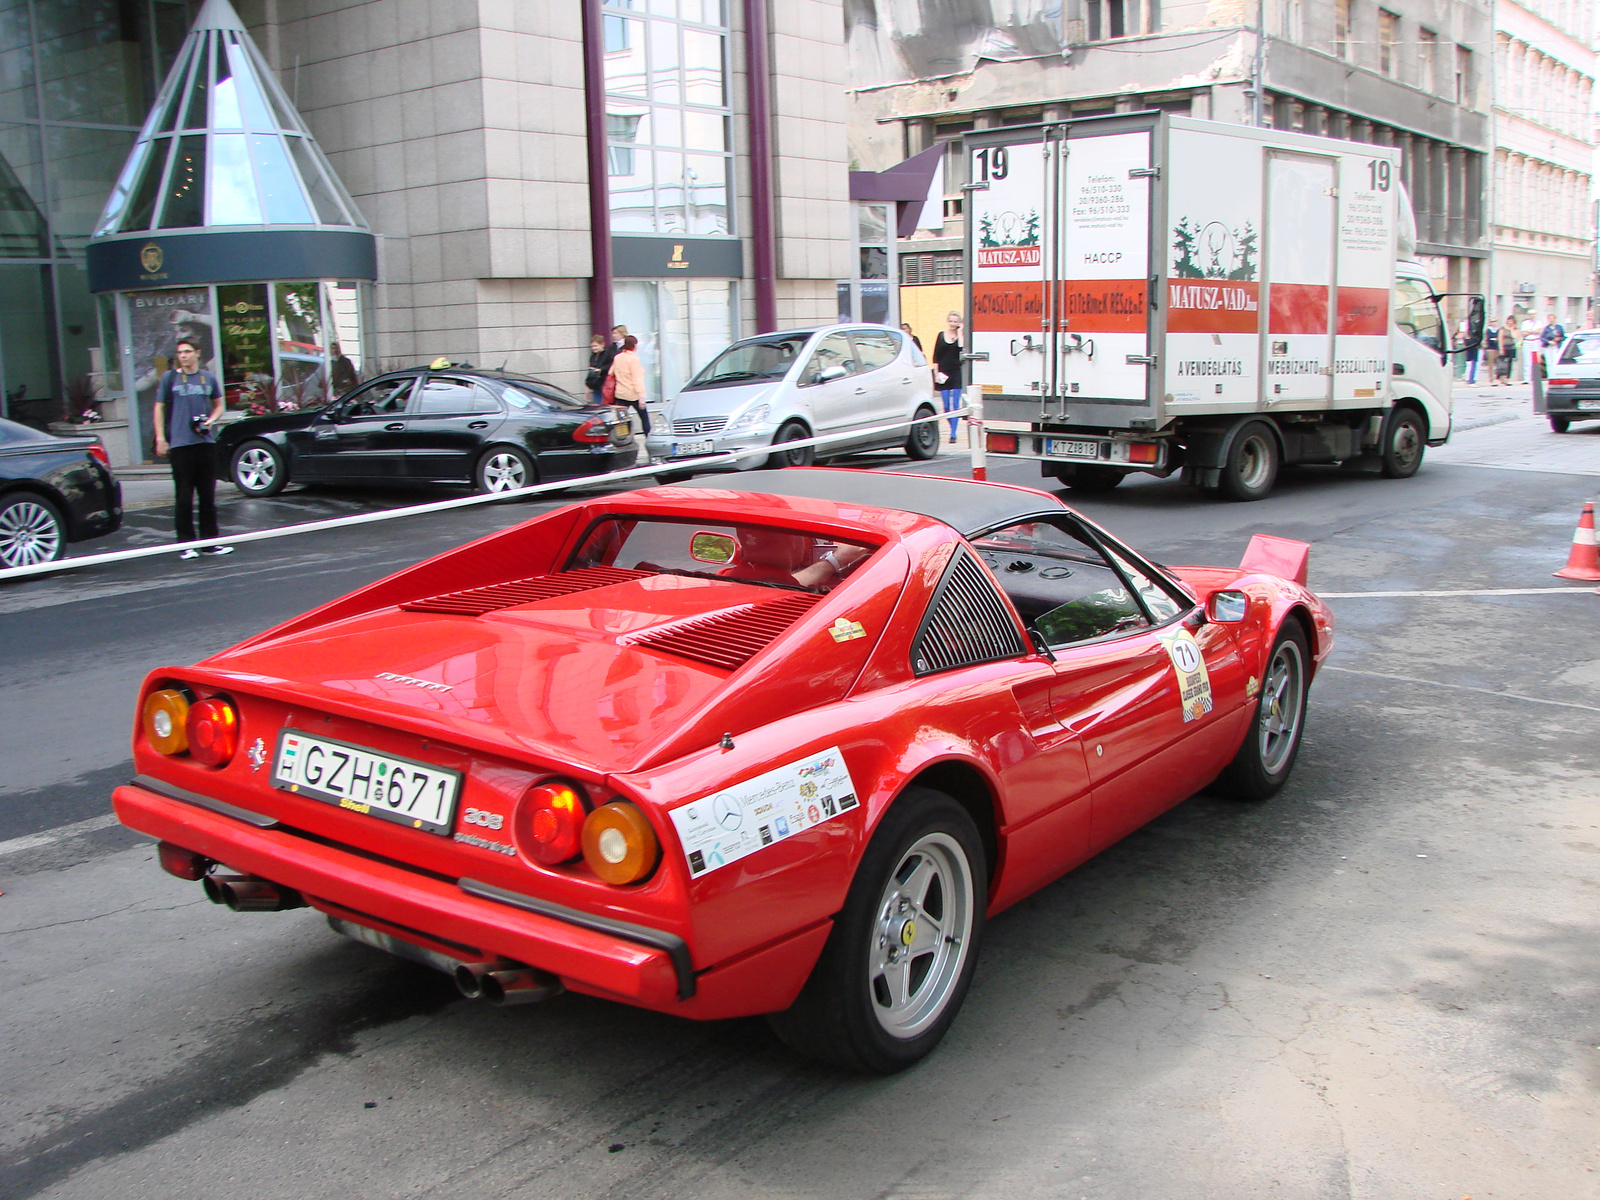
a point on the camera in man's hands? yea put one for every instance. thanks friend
(197, 423)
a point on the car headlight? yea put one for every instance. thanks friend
(751, 416)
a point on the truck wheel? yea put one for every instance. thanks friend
(1252, 464)
(901, 954)
(1559, 424)
(1094, 479)
(1403, 443)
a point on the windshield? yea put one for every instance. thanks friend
(757, 554)
(761, 358)
(1583, 348)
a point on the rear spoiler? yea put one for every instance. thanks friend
(1277, 556)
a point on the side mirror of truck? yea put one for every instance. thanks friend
(1477, 312)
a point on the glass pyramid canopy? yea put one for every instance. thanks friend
(224, 148)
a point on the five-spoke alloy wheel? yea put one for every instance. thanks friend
(258, 469)
(504, 469)
(1264, 761)
(902, 950)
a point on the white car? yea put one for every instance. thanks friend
(786, 387)
(1572, 382)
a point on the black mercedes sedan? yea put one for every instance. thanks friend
(53, 490)
(451, 425)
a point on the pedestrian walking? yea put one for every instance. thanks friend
(1469, 357)
(187, 408)
(601, 353)
(628, 371)
(947, 366)
(1505, 338)
(905, 328)
(1554, 334)
(1529, 348)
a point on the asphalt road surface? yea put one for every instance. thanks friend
(1382, 983)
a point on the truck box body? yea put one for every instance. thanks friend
(1141, 274)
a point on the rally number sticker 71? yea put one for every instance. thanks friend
(1194, 684)
(722, 828)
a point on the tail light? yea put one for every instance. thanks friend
(618, 843)
(213, 730)
(1002, 443)
(549, 823)
(594, 429)
(99, 453)
(1143, 452)
(1561, 382)
(166, 720)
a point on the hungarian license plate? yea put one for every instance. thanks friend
(1589, 405)
(680, 449)
(1062, 448)
(366, 782)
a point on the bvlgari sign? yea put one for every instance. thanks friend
(658, 257)
(151, 258)
(219, 256)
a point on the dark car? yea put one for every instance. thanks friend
(53, 490)
(455, 425)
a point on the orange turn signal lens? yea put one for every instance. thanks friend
(549, 824)
(618, 843)
(213, 729)
(166, 717)
(1143, 452)
(1002, 443)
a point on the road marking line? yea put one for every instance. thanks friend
(1543, 591)
(1464, 687)
(1489, 466)
(35, 841)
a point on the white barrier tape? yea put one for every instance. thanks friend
(391, 514)
(1539, 591)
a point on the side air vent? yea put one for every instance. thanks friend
(730, 638)
(967, 622)
(474, 602)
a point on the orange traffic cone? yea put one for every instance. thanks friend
(1584, 561)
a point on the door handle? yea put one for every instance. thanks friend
(395, 426)
(477, 424)
(861, 391)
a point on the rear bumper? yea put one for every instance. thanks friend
(590, 953)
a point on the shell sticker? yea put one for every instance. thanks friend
(724, 827)
(1194, 683)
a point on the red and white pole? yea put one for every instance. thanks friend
(976, 442)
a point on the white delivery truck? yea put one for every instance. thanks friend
(1153, 293)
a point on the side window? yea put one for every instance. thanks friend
(1061, 583)
(1416, 313)
(381, 399)
(1158, 601)
(966, 622)
(832, 359)
(874, 350)
(441, 397)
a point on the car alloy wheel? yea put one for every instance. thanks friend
(30, 532)
(923, 929)
(504, 470)
(1283, 706)
(256, 469)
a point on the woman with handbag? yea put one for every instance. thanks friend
(600, 355)
(626, 383)
(947, 366)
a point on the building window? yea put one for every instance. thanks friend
(1427, 56)
(1122, 18)
(1463, 75)
(681, 324)
(1289, 25)
(1341, 28)
(940, 266)
(667, 120)
(1388, 28)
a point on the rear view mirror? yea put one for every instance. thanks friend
(711, 548)
(1227, 608)
(1477, 313)
(828, 374)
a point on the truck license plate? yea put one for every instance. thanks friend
(1062, 448)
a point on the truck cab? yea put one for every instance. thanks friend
(1419, 342)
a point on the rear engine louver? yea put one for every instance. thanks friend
(474, 602)
(730, 638)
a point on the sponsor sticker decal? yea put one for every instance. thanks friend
(1194, 684)
(846, 630)
(724, 827)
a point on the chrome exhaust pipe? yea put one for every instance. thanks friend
(521, 985)
(246, 893)
(469, 977)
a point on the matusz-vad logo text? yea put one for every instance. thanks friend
(1008, 239)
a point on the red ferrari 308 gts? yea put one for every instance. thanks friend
(779, 747)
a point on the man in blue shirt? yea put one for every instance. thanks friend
(188, 405)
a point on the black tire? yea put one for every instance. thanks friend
(1404, 440)
(31, 530)
(1094, 479)
(258, 469)
(791, 431)
(1252, 464)
(922, 443)
(503, 469)
(847, 1013)
(1272, 742)
(1559, 424)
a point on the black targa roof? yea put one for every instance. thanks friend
(964, 504)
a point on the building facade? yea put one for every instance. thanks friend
(1412, 74)
(532, 170)
(1544, 227)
